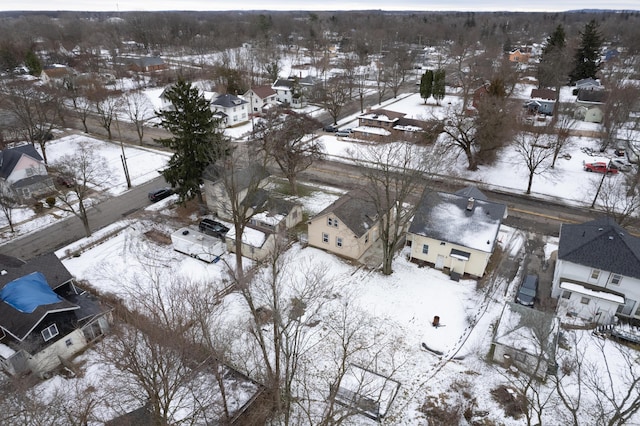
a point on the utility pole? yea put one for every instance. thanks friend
(123, 157)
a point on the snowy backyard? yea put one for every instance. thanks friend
(391, 315)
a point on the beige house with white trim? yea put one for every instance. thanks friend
(348, 227)
(457, 231)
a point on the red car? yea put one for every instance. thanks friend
(600, 167)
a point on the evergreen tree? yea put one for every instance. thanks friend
(551, 71)
(587, 57)
(33, 64)
(197, 140)
(438, 85)
(426, 85)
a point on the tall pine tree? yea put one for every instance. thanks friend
(550, 70)
(197, 139)
(438, 85)
(426, 85)
(587, 57)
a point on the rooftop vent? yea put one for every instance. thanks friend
(470, 202)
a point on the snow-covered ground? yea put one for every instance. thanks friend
(401, 306)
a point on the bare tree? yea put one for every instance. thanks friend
(87, 170)
(138, 111)
(609, 383)
(106, 105)
(393, 173)
(38, 111)
(535, 150)
(283, 303)
(335, 95)
(381, 79)
(461, 131)
(619, 198)
(397, 66)
(290, 140)
(564, 123)
(8, 202)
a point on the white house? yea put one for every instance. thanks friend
(260, 98)
(23, 171)
(293, 91)
(231, 110)
(597, 273)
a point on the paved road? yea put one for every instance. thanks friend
(68, 230)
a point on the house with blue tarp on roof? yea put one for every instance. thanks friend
(45, 318)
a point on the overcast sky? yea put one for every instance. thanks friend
(419, 5)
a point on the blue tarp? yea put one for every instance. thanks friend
(27, 293)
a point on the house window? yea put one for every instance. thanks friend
(68, 342)
(520, 357)
(615, 279)
(425, 249)
(566, 294)
(325, 237)
(585, 300)
(330, 221)
(442, 243)
(595, 274)
(339, 241)
(366, 238)
(50, 332)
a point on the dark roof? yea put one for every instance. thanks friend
(586, 95)
(355, 210)
(472, 191)
(458, 219)
(140, 417)
(9, 158)
(24, 305)
(27, 182)
(228, 101)
(600, 244)
(242, 178)
(48, 264)
(283, 82)
(145, 61)
(547, 94)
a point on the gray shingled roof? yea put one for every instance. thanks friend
(9, 158)
(472, 191)
(445, 217)
(355, 210)
(48, 264)
(228, 101)
(601, 244)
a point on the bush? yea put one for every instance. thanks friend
(51, 201)
(513, 403)
(38, 206)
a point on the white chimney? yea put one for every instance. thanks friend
(470, 203)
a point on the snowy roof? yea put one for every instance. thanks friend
(251, 236)
(600, 294)
(600, 244)
(372, 130)
(382, 115)
(527, 330)
(458, 219)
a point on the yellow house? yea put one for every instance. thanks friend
(457, 231)
(348, 227)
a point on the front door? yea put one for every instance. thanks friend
(439, 261)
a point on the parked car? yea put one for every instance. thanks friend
(600, 167)
(330, 128)
(66, 181)
(619, 152)
(160, 194)
(343, 133)
(528, 290)
(211, 227)
(621, 165)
